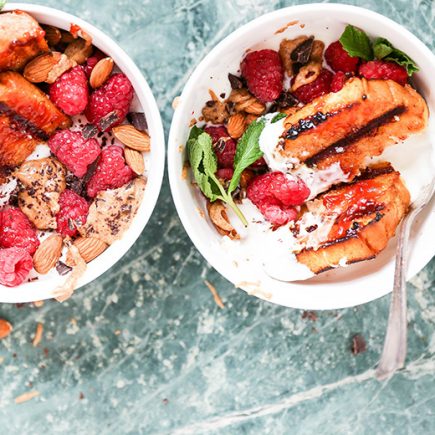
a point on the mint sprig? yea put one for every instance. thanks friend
(356, 42)
(383, 49)
(247, 152)
(203, 162)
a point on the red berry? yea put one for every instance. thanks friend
(339, 60)
(72, 214)
(114, 96)
(17, 231)
(74, 151)
(263, 73)
(224, 146)
(338, 81)
(70, 91)
(92, 61)
(275, 195)
(381, 69)
(111, 172)
(225, 173)
(15, 266)
(320, 86)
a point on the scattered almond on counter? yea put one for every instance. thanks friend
(215, 294)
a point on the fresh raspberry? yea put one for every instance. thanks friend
(275, 195)
(338, 81)
(74, 151)
(70, 91)
(72, 214)
(225, 173)
(263, 73)
(320, 86)
(15, 266)
(17, 231)
(111, 172)
(114, 96)
(224, 146)
(381, 69)
(339, 60)
(92, 61)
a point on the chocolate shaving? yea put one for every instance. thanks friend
(108, 120)
(138, 120)
(62, 268)
(89, 130)
(301, 54)
(285, 100)
(235, 82)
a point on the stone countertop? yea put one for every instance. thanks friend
(145, 349)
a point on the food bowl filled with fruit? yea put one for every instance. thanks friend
(296, 149)
(81, 153)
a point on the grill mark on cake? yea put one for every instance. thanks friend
(338, 146)
(24, 125)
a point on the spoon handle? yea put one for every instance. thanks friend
(395, 344)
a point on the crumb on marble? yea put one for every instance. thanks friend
(359, 344)
(38, 334)
(38, 304)
(215, 294)
(25, 397)
(310, 315)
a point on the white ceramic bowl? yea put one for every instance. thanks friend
(155, 160)
(339, 288)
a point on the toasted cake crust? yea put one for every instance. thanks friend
(360, 233)
(27, 117)
(21, 39)
(357, 122)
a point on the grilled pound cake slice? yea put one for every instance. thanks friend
(358, 220)
(21, 39)
(357, 122)
(27, 117)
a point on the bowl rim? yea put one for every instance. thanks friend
(29, 292)
(177, 124)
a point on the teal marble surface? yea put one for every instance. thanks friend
(145, 350)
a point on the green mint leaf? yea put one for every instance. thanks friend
(278, 117)
(248, 151)
(203, 163)
(356, 43)
(383, 49)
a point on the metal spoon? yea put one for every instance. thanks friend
(395, 344)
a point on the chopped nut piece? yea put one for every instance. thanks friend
(246, 102)
(236, 125)
(215, 112)
(38, 334)
(218, 216)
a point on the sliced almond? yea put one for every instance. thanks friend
(101, 72)
(134, 159)
(38, 69)
(52, 35)
(47, 254)
(5, 328)
(218, 216)
(132, 138)
(89, 247)
(78, 51)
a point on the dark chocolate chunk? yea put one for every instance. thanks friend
(89, 131)
(108, 120)
(235, 82)
(62, 268)
(138, 120)
(301, 54)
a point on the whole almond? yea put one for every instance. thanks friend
(236, 125)
(52, 35)
(134, 159)
(101, 72)
(5, 328)
(89, 247)
(38, 69)
(47, 254)
(132, 138)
